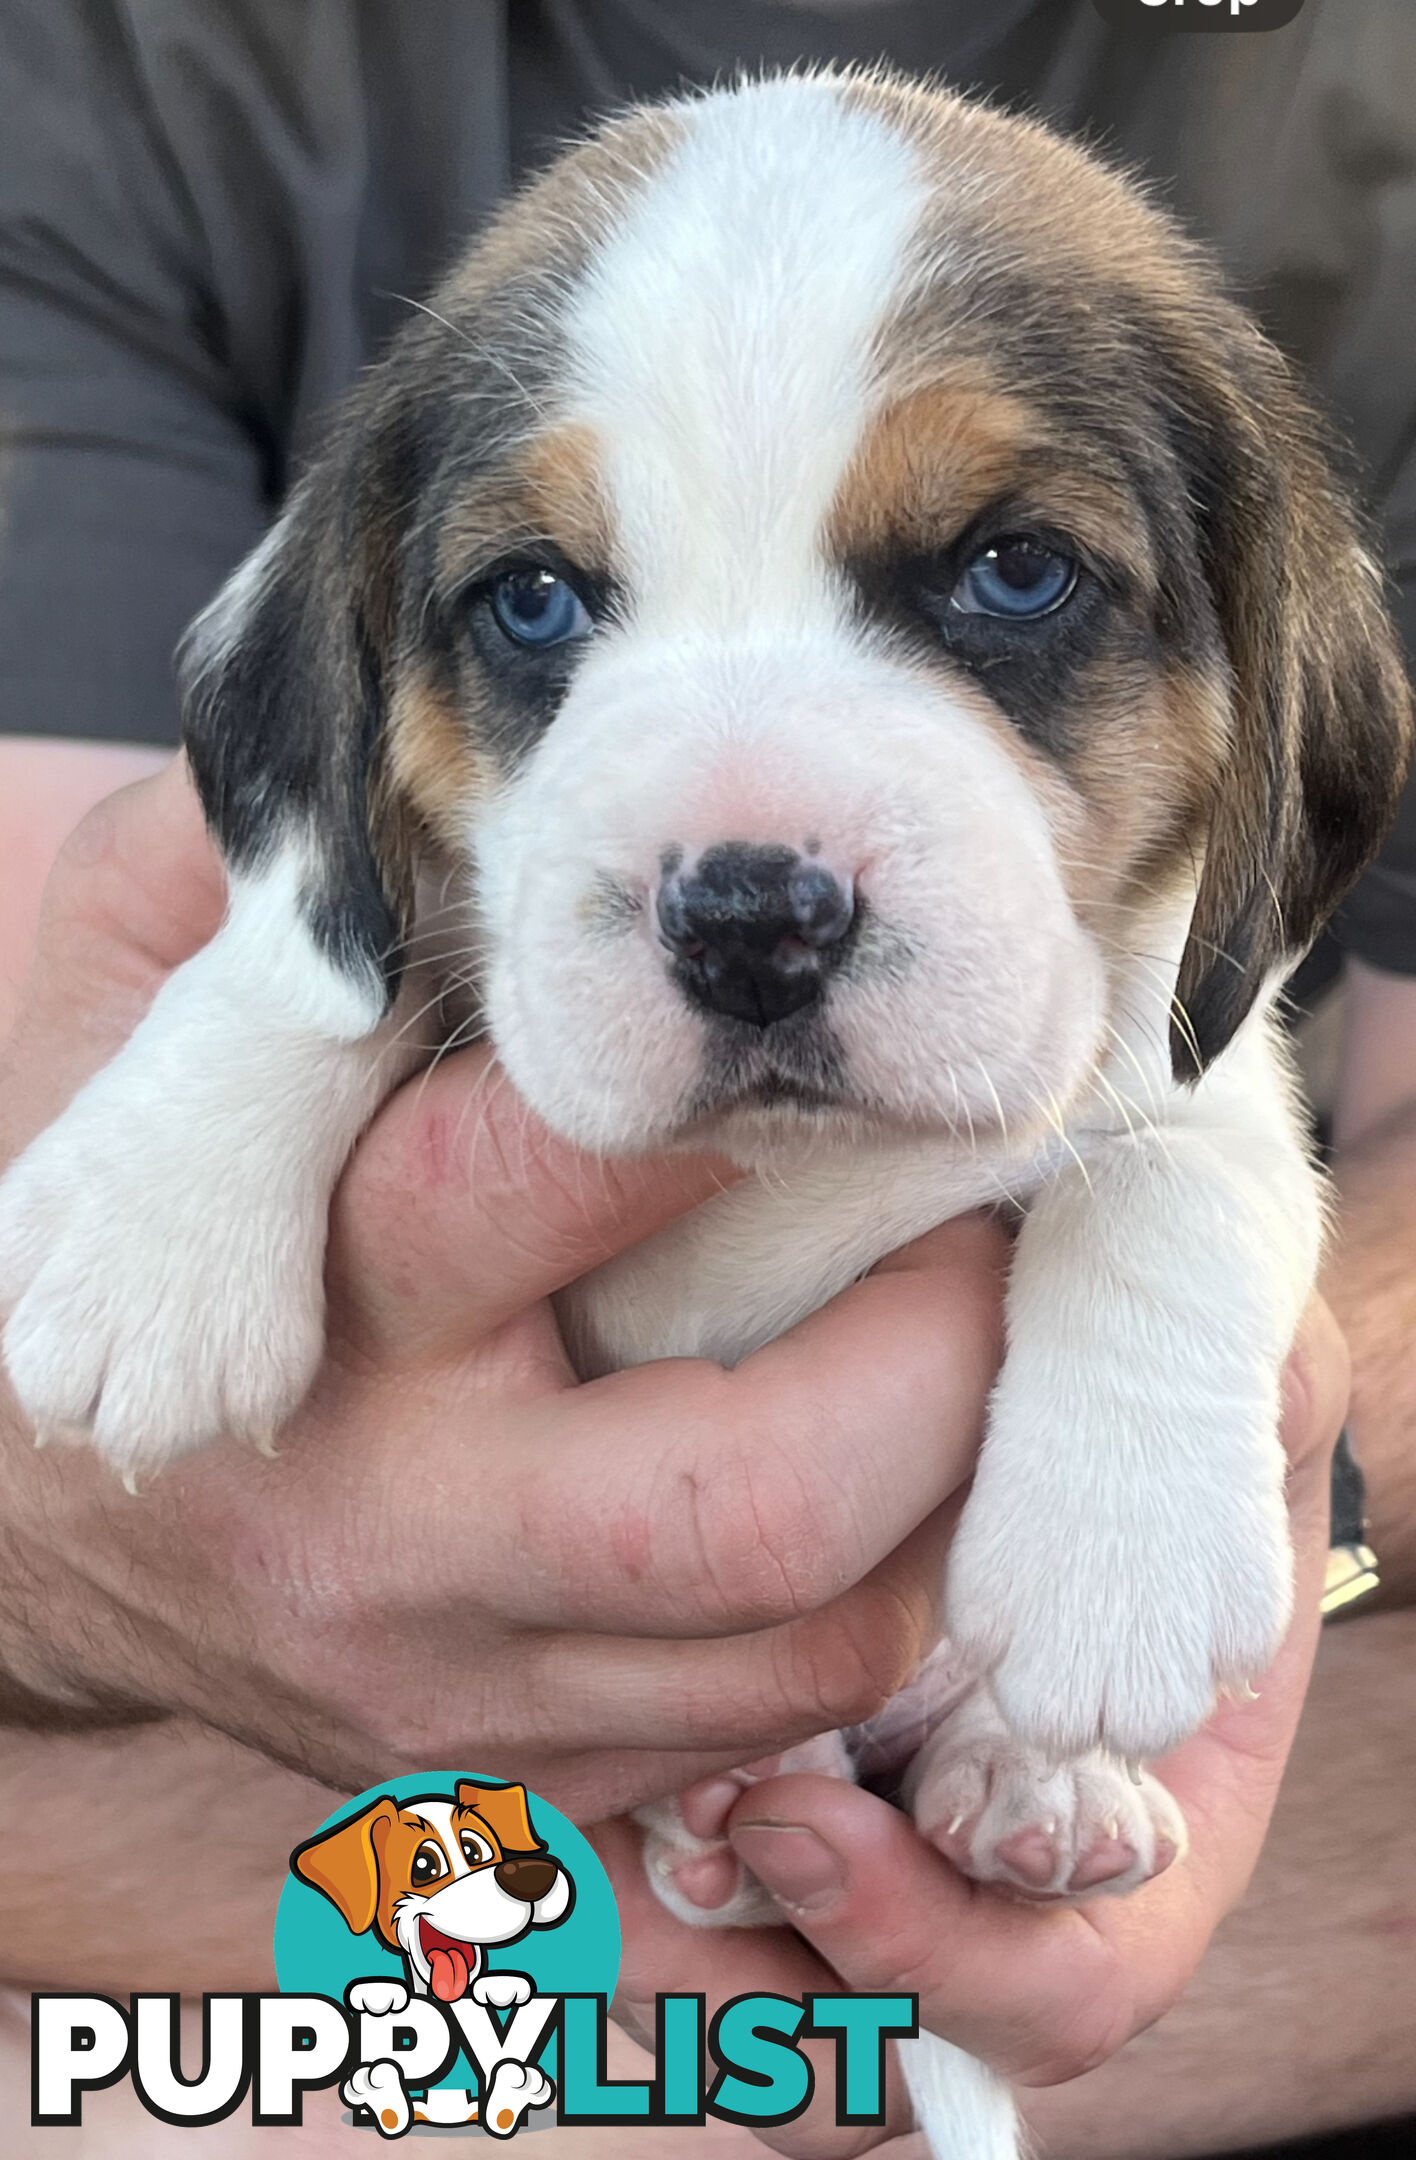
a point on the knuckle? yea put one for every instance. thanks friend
(1074, 2042)
(1316, 1384)
(763, 1542)
(843, 1667)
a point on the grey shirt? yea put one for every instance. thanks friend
(213, 212)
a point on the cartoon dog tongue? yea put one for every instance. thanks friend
(448, 1973)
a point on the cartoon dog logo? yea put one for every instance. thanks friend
(440, 1880)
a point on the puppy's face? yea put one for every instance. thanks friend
(440, 1879)
(867, 611)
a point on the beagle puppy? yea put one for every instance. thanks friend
(440, 1880)
(868, 640)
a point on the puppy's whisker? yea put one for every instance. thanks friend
(1051, 1111)
(987, 1079)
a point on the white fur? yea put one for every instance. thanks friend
(966, 2112)
(162, 1243)
(720, 348)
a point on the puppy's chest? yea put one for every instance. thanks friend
(744, 1268)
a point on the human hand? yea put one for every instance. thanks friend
(1043, 1992)
(462, 1554)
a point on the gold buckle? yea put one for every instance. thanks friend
(1351, 1574)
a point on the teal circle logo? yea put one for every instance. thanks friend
(442, 1907)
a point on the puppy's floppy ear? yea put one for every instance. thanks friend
(503, 1809)
(343, 1864)
(285, 682)
(1321, 707)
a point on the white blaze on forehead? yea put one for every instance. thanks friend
(438, 1816)
(720, 344)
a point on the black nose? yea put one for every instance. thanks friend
(754, 930)
(529, 1879)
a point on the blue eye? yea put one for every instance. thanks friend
(1017, 578)
(534, 607)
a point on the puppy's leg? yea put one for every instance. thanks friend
(162, 1243)
(695, 1873)
(1003, 1814)
(1124, 1552)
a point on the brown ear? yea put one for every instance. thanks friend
(1320, 700)
(343, 1864)
(503, 1809)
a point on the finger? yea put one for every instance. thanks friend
(1033, 1990)
(1317, 1382)
(750, 1694)
(682, 1499)
(662, 1956)
(460, 1208)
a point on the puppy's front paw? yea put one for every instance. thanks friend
(379, 2088)
(377, 1998)
(515, 2089)
(1001, 1814)
(1115, 1567)
(694, 1871)
(502, 1990)
(156, 1299)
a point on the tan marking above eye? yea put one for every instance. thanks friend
(927, 464)
(561, 473)
(938, 455)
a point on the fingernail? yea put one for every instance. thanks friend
(793, 1863)
(705, 1807)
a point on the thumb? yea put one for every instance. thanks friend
(135, 889)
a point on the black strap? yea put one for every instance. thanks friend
(1349, 1496)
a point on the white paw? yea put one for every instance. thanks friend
(515, 2089)
(157, 1298)
(502, 1990)
(695, 1873)
(1116, 1566)
(377, 1998)
(1002, 1814)
(379, 2088)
